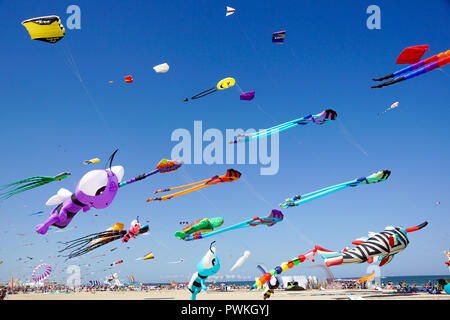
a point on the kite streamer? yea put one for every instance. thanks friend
(300, 199)
(44, 275)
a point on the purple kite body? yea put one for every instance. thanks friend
(249, 95)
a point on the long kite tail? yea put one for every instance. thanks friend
(24, 185)
(162, 167)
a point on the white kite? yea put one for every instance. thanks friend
(241, 260)
(230, 11)
(161, 68)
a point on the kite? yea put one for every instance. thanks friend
(447, 253)
(48, 29)
(230, 176)
(44, 275)
(381, 247)
(179, 261)
(274, 217)
(412, 55)
(283, 267)
(321, 118)
(208, 266)
(300, 199)
(278, 37)
(241, 260)
(147, 256)
(249, 95)
(36, 213)
(365, 278)
(93, 241)
(272, 284)
(1, 261)
(393, 106)
(95, 160)
(132, 280)
(416, 69)
(117, 262)
(161, 68)
(96, 189)
(29, 183)
(230, 11)
(128, 79)
(221, 85)
(201, 225)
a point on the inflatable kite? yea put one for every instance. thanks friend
(161, 68)
(447, 253)
(230, 11)
(147, 256)
(274, 217)
(416, 69)
(128, 79)
(241, 260)
(278, 37)
(221, 85)
(47, 29)
(93, 241)
(201, 225)
(208, 266)
(381, 247)
(96, 189)
(249, 95)
(393, 106)
(44, 272)
(29, 183)
(300, 199)
(412, 55)
(365, 278)
(95, 160)
(321, 118)
(272, 284)
(283, 267)
(230, 176)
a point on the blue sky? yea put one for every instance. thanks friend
(50, 124)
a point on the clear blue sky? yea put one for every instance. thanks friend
(50, 125)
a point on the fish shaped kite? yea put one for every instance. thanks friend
(95, 160)
(96, 189)
(11, 189)
(230, 176)
(380, 247)
(283, 267)
(393, 106)
(207, 266)
(93, 241)
(321, 118)
(278, 37)
(201, 225)
(274, 217)
(416, 69)
(300, 199)
(221, 85)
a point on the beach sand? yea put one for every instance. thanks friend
(231, 295)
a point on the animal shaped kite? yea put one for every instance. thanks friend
(271, 284)
(230, 176)
(97, 189)
(300, 199)
(249, 95)
(95, 160)
(393, 106)
(278, 37)
(161, 68)
(241, 260)
(48, 29)
(380, 247)
(416, 69)
(321, 118)
(93, 241)
(11, 189)
(221, 85)
(201, 225)
(283, 267)
(412, 55)
(208, 266)
(274, 217)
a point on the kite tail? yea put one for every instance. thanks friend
(24, 185)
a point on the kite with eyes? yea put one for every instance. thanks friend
(96, 189)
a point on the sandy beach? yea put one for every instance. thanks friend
(233, 295)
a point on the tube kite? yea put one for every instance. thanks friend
(300, 199)
(27, 184)
(381, 247)
(230, 176)
(241, 260)
(416, 69)
(221, 85)
(321, 118)
(201, 225)
(393, 106)
(48, 29)
(274, 217)
(208, 266)
(283, 267)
